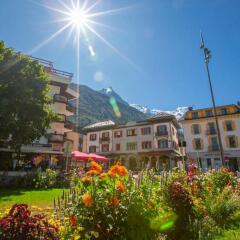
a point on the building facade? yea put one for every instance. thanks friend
(152, 142)
(61, 135)
(201, 136)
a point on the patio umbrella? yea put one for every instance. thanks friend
(98, 157)
(76, 155)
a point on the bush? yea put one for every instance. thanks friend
(19, 225)
(46, 179)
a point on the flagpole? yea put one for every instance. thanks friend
(207, 56)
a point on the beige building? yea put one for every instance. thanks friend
(153, 141)
(201, 136)
(61, 135)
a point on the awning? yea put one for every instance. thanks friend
(76, 155)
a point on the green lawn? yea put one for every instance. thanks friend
(38, 200)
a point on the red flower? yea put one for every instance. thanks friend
(73, 220)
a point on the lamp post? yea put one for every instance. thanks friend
(207, 56)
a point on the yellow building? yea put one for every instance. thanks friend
(201, 136)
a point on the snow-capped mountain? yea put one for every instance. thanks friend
(178, 112)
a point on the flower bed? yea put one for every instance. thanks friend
(176, 205)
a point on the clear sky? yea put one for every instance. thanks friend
(159, 37)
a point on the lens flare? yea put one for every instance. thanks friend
(115, 107)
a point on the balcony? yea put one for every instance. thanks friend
(69, 125)
(59, 98)
(104, 139)
(160, 134)
(71, 108)
(211, 132)
(56, 138)
(213, 148)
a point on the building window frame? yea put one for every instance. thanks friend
(93, 137)
(92, 149)
(131, 146)
(146, 130)
(146, 145)
(131, 132)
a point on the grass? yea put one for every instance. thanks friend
(38, 200)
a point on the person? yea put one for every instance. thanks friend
(14, 164)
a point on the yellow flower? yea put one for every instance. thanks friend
(95, 166)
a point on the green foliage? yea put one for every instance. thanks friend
(25, 111)
(46, 179)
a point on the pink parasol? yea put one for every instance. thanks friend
(76, 155)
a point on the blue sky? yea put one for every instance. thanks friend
(160, 37)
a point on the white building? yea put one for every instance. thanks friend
(201, 136)
(153, 141)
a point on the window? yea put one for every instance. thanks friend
(92, 149)
(208, 113)
(118, 134)
(105, 136)
(195, 115)
(105, 147)
(93, 137)
(147, 145)
(209, 163)
(211, 127)
(229, 125)
(132, 146)
(232, 141)
(131, 132)
(224, 111)
(163, 143)
(198, 144)
(214, 144)
(146, 130)
(118, 147)
(196, 129)
(162, 130)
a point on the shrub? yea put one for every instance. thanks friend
(19, 225)
(46, 179)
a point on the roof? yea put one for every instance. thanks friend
(208, 108)
(158, 118)
(100, 125)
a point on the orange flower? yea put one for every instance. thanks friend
(87, 180)
(103, 175)
(87, 199)
(72, 220)
(149, 206)
(114, 201)
(112, 174)
(95, 166)
(118, 169)
(120, 186)
(92, 172)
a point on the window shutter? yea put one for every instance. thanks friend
(192, 131)
(194, 144)
(201, 141)
(142, 131)
(224, 126)
(200, 128)
(233, 125)
(236, 140)
(227, 141)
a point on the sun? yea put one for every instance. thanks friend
(78, 17)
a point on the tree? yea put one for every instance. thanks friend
(25, 111)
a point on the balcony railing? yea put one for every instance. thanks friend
(159, 134)
(71, 108)
(213, 148)
(211, 132)
(69, 125)
(59, 98)
(104, 139)
(56, 138)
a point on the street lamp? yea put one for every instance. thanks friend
(207, 56)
